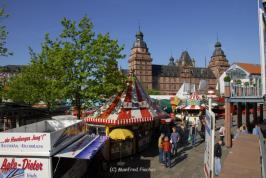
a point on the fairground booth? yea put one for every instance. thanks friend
(47, 149)
(130, 119)
(193, 108)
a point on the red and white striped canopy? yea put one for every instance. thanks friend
(193, 107)
(130, 107)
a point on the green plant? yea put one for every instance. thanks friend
(227, 79)
(239, 82)
(246, 84)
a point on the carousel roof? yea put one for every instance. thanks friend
(129, 107)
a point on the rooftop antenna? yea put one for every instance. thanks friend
(171, 53)
(205, 62)
(217, 37)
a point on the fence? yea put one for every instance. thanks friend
(262, 155)
(240, 90)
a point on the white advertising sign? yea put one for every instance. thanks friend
(25, 167)
(17, 143)
(209, 144)
(44, 138)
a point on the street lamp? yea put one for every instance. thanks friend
(191, 73)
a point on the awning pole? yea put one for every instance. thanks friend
(107, 130)
(56, 165)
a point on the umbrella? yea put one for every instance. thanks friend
(121, 134)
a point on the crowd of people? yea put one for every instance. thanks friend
(179, 135)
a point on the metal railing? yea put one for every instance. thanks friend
(242, 91)
(262, 154)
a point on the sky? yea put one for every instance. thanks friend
(169, 26)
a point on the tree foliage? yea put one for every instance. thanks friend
(78, 65)
(3, 35)
(153, 92)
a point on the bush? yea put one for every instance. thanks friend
(238, 82)
(227, 79)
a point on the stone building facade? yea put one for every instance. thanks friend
(169, 78)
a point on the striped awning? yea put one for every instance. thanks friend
(130, 107)
(193, 107)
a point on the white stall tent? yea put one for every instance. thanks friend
(27, 151)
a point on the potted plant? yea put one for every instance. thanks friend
(227, 80)
(238, 82)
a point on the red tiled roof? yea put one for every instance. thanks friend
(250, 68)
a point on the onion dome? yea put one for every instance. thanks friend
(139, 42)
(218, 50)
(171, 61)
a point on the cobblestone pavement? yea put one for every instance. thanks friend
(188, 163)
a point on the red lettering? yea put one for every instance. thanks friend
(9, 165)
(27, 164)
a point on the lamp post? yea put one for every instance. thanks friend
(191, 73)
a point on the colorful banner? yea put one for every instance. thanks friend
(192, 102)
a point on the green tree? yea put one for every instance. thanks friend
(90, 62)
(20, 88)
(153, 92)
(41, 79)
(3, 35)
(78, 65)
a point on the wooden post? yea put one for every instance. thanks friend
(255, 116)
(239, 115)
(261, 113)
(228, 118)
(248, 118)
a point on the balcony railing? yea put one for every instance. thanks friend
(243, 91)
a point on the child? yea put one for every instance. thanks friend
(167, 151)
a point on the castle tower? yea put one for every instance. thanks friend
(140, 61)
(185, 63)
(218, 63)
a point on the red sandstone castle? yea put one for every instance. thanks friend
(169, 78)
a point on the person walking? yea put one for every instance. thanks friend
(160, 147)
(256, 130)
(217, 157)
(202, 130)
(222, 133)
(167, 151)
(175, 137)
(244, 129)
(193, 133)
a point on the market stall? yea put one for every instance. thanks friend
(131, 109)
(193, 109)
(35, 150)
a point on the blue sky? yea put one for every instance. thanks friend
(168, 25)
